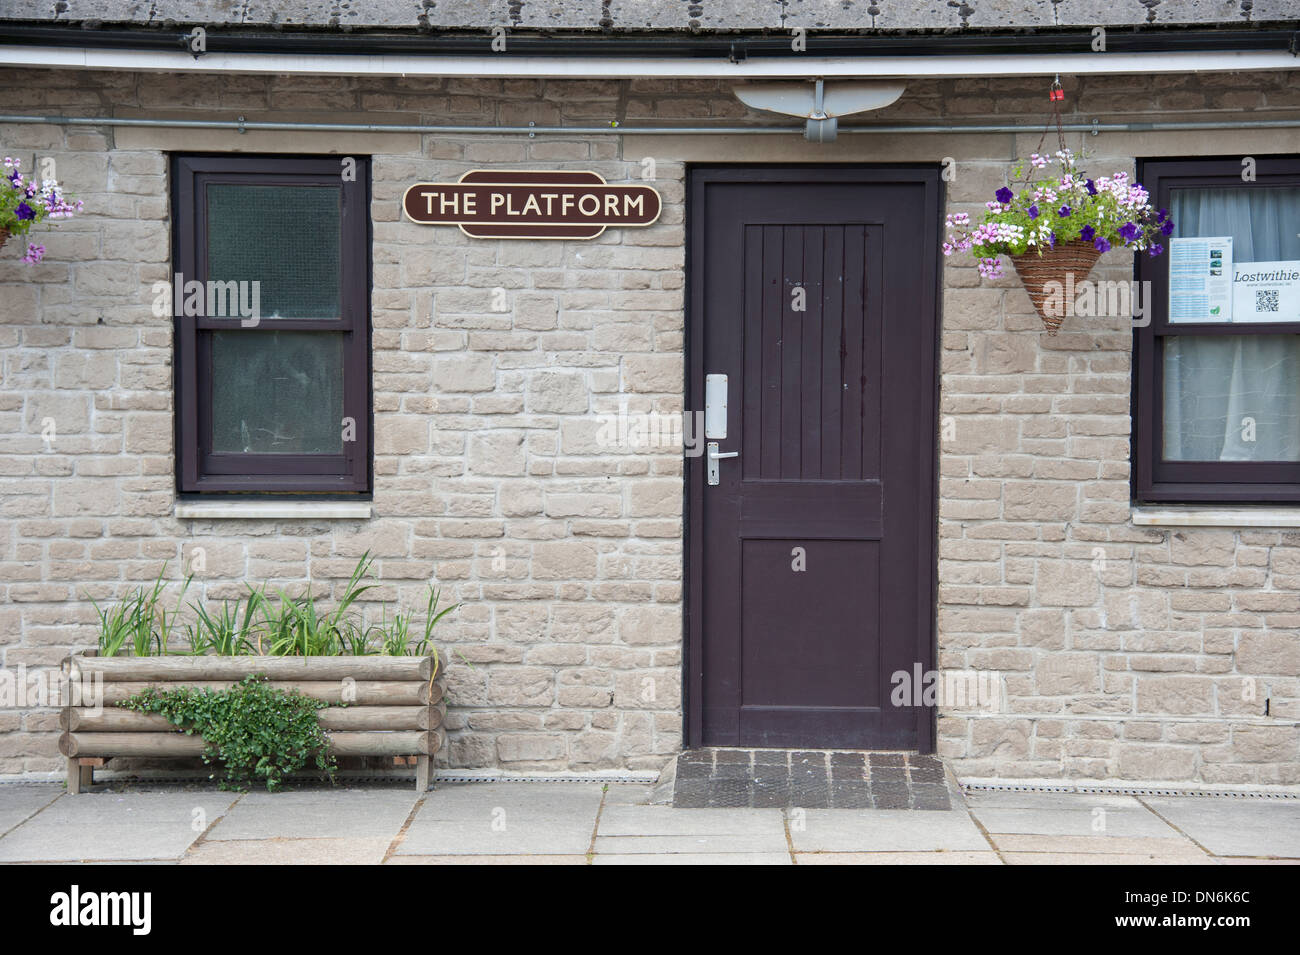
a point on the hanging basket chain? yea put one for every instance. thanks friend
(1040, 269)
(1055, 93)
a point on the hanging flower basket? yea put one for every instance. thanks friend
(25, 201)
(1046, 276)
(1055, 228)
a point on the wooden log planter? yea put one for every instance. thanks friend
(394, 706)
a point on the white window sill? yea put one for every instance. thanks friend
(1228, 516)
(274, 510)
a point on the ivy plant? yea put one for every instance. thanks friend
(256, 731)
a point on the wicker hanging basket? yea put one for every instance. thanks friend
(1036, 271)
(4, 234)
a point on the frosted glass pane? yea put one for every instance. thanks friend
(277, 392)
(286, 238)
(1232, 398)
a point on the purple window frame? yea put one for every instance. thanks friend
(1197, 482)
(199, 469)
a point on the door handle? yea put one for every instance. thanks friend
(714, 456)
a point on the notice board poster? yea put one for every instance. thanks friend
(1200, 279)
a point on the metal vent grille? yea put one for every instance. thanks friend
(354, 776)
(1126, 791)
(640, 779)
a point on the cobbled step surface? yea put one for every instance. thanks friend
(718, 778)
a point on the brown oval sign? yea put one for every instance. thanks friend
(529, 204)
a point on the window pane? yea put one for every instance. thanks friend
(286, 238)
(1232, 398)
(1249, 269)
(277, 392)
(1262, 220)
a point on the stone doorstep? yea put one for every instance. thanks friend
(736, 777)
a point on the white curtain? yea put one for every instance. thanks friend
(1235, 397)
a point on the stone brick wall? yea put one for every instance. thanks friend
(1128, 652)
(1122, 651)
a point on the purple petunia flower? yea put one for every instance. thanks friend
(1003, 195)
(1156, 250)
(1164, 214)
(1051, 239)
(1168, 227)
(1087, 233)
(1101, 245)
(25, 211)
(1033, 212)
(1128, 232)
(1091, 187)
(1063, 212)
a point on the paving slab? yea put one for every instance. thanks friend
(19, 802)
(700, 858)
(666, 821)
(1096, 858)
(628, 794)
(505, 819)
(488, 860)
(1083, 821)
(998, 799)
(338, 813)
(898, 858)
(1174, 846)
(289, 852)
(884, 830)
(93, 862)
(514, 823)
(1244, 860)
(720, 842)
(115, 826)
(1235, 827)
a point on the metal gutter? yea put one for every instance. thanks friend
(736, 46)
(523, 66)
(243, 126)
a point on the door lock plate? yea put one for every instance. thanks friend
(713, 456)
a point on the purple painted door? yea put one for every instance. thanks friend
(812, 559)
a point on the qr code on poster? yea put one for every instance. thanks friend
(1266, 300)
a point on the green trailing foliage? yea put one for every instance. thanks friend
(276, 625)
(255, 731)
